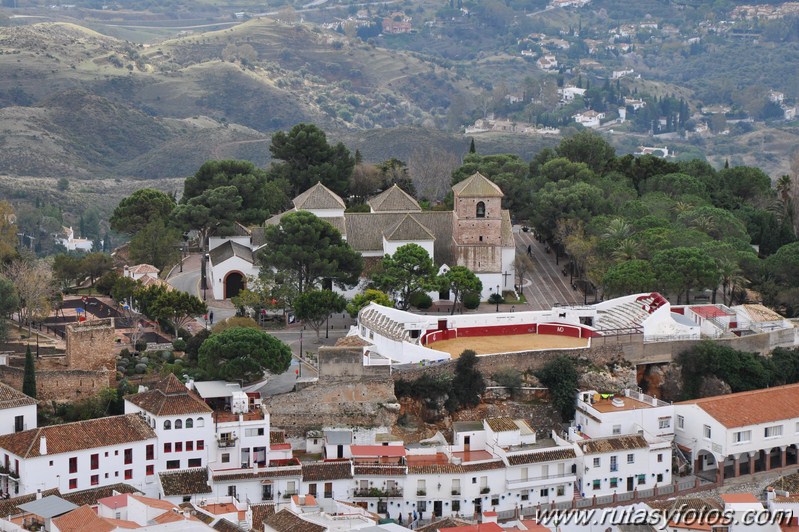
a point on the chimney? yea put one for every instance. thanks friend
(43, 445)
(38, 494)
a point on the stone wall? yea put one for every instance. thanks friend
(523, 361)
(346, 394)
(60, 385)
(338, 362)
(90, 345)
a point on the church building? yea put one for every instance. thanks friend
(476, 234)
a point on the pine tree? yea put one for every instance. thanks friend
(472, 148)
(29, 377)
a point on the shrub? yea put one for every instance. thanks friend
(179, 344)
(471, 300)
(141, 345)
(421, 300)
(510, 378)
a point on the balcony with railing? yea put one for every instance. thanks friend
(290, 467)
(374, 493)
(533, 482)
(224, 443)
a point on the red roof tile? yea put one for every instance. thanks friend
(753, 407)
(359, 451)
(170, 397)
(78, 436)
(710, 311)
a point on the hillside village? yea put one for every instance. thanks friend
(395, 329)
(190, 454)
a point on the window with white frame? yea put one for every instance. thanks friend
(706, 431)
(664, 422)
(773, 431)
(680, 422)
(597, 462)
(742, 436)
(616, 430)
(630, 458)
(614, 466)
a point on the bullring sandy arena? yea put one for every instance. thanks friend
(489, 345)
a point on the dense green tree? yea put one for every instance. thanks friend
(741, 370)
(258, 196)
(783, 266)
(194, 343)
(560, 376)
(410, 269)
(468, 383)
(67, 269)
(368, 296)
(156, 244)
(311, 250)
(587, 147)
(144, 298)
(105, 284)
(315, 306)
(142, 207)
(629, 277)
(178, 307)
(565, 200)
(674, 185)
(459, 280)
(29, 376)
(213, 211)
(8, 304)
(124, 288)
(307, 158)
(784, 366)
(243, 353)
(681, 269)
(94, 265)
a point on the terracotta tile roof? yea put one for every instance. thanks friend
(545, 456)
(352, 341)
(144, 268)
(92, 496)
(223, 525)
(408, 229)
(394, 200)
(501, 424)
(277, 436)
(318, 197)
(732, 498)
(260, 512)
(327, 471)
(286, 521)
(391, 471)
(697, 504)
(447, 522)
(254, 474)
(170, 398)
(230, 249)
(760, 314)
(709, 311)
(477, 186)
(78, 436)
(82, 519)
(154, 503)
(365, 231)
(11, 506)
(442, 469)
(618, 443)
(11, 398)
(753, 407)
(185, 482)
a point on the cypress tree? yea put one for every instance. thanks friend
(29, 378)
(472, 148)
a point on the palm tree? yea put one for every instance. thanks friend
(706, 224)
(731, 280)
(784, 189)
(681, 207)
(627, 249)
(618, 229)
